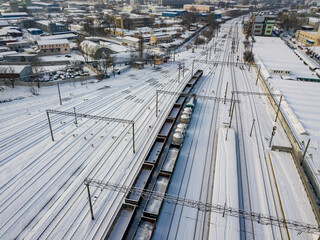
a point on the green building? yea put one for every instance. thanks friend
(269, 24)
(26, 2)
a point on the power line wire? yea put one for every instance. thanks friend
(208, 207)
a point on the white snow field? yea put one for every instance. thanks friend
(198, 168)
(42, 195)
(225, 188)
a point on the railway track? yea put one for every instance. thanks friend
(95, 135)
(265, 204)
(187, 173)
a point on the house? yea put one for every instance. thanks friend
(53, 47)
(18, 72)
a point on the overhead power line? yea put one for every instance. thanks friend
(208, 207)
(81, 115)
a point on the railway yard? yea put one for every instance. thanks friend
(160, 153)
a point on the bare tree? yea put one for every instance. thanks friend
(105, 63)
(133, 55)
(37, 71)
(11, 72)
(3, 71)
(113, 59)
(83, 49)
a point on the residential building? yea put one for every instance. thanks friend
(160, 38)
(53, 47)
(132, 21)
(261, 25)
(51, 27)
(198, 8)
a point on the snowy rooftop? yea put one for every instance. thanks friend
(59, 36)
(314, 20)
(12, 68)
(7, 53)
(304, 98)
(133, 39)
(274, 54)
(44, 22)
(114, 47)
(58, 41)
(14, 14)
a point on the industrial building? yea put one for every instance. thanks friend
(94, 50)
(21, 57)
(15, 72)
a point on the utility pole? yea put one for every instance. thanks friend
(50, 127)
(225, 94)
(75, 116)
(174, 54)
(59, 93)
(232, 96)
(258, 74)
(179, 73)
(232, 114)
(206, 56)
(183, 70)
(278, 109)
(272, 134)
(305, 151)
(156, 103)
(133, 143)
(192, 67)
(252, 127)
(90, 203)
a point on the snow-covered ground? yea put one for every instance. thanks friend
(300, 99)
(42, 193)
(199, 168)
